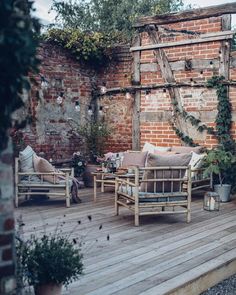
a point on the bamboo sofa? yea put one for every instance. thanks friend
(157, 190)
(29, 182)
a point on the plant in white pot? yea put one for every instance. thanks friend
(219, 162)
(50, 261)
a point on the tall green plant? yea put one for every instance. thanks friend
(17, 58)
(109, 15)
(95, 135)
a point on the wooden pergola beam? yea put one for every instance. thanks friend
(187, 15)
(134, 88)
(219, 36)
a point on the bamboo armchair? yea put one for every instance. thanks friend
(158, 190)
(32, 183)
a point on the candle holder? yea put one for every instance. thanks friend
(211, 201)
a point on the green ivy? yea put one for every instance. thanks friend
(92, 48)
(224, 117)
(17, 58)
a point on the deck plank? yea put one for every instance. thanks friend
(158, 257)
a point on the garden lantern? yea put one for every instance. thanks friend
(211, 201)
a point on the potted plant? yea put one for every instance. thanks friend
(219, 162)
(94, 134)
(49, 262)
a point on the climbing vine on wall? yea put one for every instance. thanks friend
(223, 119)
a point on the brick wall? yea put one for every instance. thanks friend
(50, 131)
(156, 109)
(7, 265)
(118, 107)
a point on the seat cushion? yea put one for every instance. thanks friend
(165, 160)
(134, 159)
(142, 198)
(186, 149)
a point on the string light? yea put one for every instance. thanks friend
(90, 110)
(147, 94)
(100, 110)
(201, 74)
(127, 95)
(60, 98)
(77, 106)
(220, 54)
(192, 82)
(44, 82)
(211, 64)
(103, 90)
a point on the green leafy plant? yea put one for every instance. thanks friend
(219, 162)
(52, 259)
(92, 48)
(95, 135)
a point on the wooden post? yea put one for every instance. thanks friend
(137, 96)
(225, 48)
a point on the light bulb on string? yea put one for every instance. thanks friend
(44, 82)
(77, 106)
(60, 98)
(127, 95)
(201, 74)
(100, 111)
(147, 94)
(90, 110)
(103, 90)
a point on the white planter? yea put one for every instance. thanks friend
(223, 191)
(48, 289)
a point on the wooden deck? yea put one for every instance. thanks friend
(165, 255)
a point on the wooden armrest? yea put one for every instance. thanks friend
(124, 181)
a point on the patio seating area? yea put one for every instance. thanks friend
(165, 255)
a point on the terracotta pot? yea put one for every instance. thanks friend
(87, 176)
(48, 289)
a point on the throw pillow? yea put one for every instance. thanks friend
(134, 159)
(151, 148)
(42, 165)
(165, 160)
(26, 159)
(195, 163)
(186, 149)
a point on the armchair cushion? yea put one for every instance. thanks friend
(165, 160)
(186, 149)
(134, 159)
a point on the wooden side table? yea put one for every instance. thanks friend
(106, 179)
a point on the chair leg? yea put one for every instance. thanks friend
(136, 219)
(188, 216)
(116, 199)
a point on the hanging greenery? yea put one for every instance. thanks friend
(224, 117)
(92, 48)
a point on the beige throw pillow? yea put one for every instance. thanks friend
(165, 160)
(186, 149)
(42, 165)
(134, 159)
